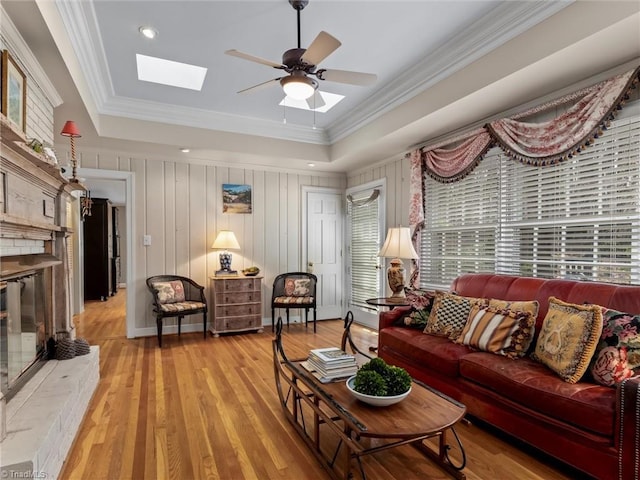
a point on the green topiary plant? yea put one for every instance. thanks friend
(370, 383)
(379, 379)
(377, 365)
(398, 380)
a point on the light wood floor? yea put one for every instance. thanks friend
(199, 409)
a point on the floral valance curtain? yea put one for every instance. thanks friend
(533, 143)
(564, 136)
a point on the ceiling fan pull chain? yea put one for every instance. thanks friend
(284, 111)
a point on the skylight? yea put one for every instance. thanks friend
(168, 72)
(330, 101)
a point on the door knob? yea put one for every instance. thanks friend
(309, 267)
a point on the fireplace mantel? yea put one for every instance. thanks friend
(34, 196)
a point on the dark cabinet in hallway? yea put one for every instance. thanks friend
(99, 277)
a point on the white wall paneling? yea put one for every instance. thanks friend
(179, 205)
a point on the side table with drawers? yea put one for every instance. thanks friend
(236, 304)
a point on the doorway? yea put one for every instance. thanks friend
(322, 246)
(119, 187)
(365, 233)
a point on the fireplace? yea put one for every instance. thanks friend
(25, 323)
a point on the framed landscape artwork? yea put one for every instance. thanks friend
(14, 92)
(236, 198)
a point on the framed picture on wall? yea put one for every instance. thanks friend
(236, 198)
(14, 92)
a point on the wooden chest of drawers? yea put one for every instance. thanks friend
(236, 304)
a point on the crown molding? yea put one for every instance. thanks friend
(200, 118)
(503, 23)
(80, 22)
(25, 56)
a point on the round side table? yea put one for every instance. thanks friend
(384, 302)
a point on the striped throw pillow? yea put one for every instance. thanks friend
(501, 331)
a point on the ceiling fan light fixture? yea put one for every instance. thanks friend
(298, 87)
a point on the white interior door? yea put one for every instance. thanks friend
(323, 252)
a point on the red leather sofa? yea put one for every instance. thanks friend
(593, 428)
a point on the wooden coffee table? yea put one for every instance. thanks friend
(424, 414)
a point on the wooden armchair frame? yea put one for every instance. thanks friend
(194, 302)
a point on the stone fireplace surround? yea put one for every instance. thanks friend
(39, 422)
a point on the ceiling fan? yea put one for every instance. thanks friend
(302, 64)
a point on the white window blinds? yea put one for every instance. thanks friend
(461, 220)
(577, 219)
(364, 214)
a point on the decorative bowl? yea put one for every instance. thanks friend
(250, 273)
(374, 400)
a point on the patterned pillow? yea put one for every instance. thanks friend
(531, 306)
(568, 338)
(420, 302)
(502, 331)
(618, 353)
(449, 314)
(297, 287)
(170, 292)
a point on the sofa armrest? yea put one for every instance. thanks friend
(628, 427)
(386, 319)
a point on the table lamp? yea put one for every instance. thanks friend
(71, 130)
(396, 246)
(224, 241)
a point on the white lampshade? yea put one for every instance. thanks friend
(226, 240)
(398, 244)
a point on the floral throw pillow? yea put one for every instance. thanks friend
(617, 355)
(170, 292)
(420, 302)
(297, 287)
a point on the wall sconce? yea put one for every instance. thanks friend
(71, 130)
(85, 205)
(396, 246)
(224, 241)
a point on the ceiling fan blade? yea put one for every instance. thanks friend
(260, 86)
(321, 47)
(253, 58)
(315, 101)
(345, 76)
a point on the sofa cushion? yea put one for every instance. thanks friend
(586, 405)
(618, 352)
(568, 338)
(449, 314)
(439, 353)
(500, 331)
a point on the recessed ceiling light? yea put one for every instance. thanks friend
(330, 101)
(311, 164)
(185, 150)
(148, 32)
(168, 72)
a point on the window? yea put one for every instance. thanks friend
(578, 219)
(365, 221)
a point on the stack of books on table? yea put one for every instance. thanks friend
(329, 364)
